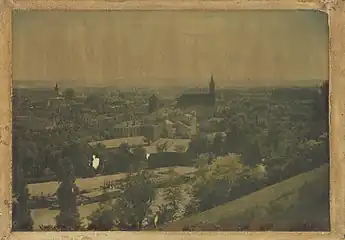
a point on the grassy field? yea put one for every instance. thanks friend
(46, 216)
(93, 184)
(91, 195)
(285, 206)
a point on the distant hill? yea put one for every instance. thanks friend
(42, 84)
(285, 206)
(191, 88)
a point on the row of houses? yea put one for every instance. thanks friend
(182, 128)
(132, 129)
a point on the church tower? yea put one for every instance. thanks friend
(212, 90)
(56, 90)
(212, 86)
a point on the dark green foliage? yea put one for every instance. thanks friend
(130, 210)
(218, 145)
(282, 133)
(68, 218)
(139, 159)
(168, 211)
(223, 183)
(103, 218)
(173, 197)
(23, 157)
(21, 214)
(44, 149)
(153, 104)
(69, 94)
(300, 203)
(115, 162)
(122, 159)
(95, 102)
(168, 159)
(134, 205)
(270, 136)
(198, 145)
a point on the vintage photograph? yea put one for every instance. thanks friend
(170, 120)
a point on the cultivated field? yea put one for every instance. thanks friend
(91, 194)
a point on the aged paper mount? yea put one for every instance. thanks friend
(336, 15)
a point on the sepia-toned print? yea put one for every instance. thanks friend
(170, 121)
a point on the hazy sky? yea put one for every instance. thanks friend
(170, 47)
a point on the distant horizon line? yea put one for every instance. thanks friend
(238, 83)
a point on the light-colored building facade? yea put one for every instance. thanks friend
(183, 130)
(168, 128)
(132, 129)
(127, 130)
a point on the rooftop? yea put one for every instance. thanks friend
(128, 124)
(103, 117)
(172, 144)
(211, 136)
(215, 119)
(185, 124)
(168, 122)
(116, 142)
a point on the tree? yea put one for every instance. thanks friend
(309, 154)
(251, 153)
(21, 220)
(198, 145)
(320, 119)
(134, 205)
(218, 145)
(129, 211)
(216, 185)
(139, 159)
(236, 136)
(124, 148)
(69, 93)
(201, 164)
(173, 197)
(68, 218)
(81, 156)
(153, 104)
(95, 102)
(103, 218)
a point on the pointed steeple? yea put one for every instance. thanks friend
(56, 89)
(212, 85)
